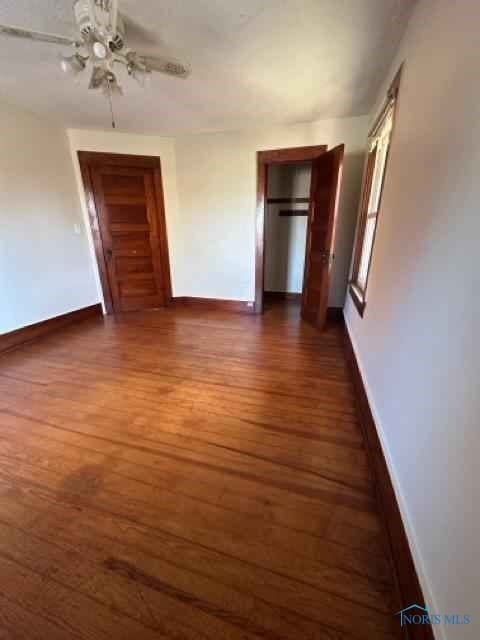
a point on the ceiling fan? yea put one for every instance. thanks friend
(100, 47)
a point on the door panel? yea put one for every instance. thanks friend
(324, 192)
(127, 214)
(133, 264)
(128, 222)
(119, 184)
(130, 243)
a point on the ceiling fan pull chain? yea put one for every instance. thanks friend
(110, 102)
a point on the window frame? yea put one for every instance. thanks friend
(357, 292)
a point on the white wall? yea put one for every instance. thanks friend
(418, 341)
(217, 190)
(285, 236)
(45, 269)
(148, 145)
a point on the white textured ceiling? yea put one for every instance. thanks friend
(253, 62)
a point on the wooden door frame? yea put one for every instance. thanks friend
(265, 158)
(92, 158)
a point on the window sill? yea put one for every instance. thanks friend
(358, 298)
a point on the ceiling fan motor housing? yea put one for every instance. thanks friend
(88, 29)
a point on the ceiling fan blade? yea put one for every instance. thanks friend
(113, 16)
(92, 12)
(38, 36)
(170, 66)
(104, 15)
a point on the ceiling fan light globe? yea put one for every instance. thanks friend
(72, 65)
(65, 66)
(147, 80)
(142, 77)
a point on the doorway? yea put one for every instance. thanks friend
(286, 217)
(127, 217)
(287, 172)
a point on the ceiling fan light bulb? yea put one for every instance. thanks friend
(65, 66)
(147, 80)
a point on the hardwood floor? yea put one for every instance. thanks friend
(187, 474)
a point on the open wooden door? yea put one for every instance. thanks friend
(324, 194)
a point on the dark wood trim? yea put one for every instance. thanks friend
(288, 200)
(91, 158)
(121, 159)
(162, 229)
(392, 96)
(357, 300)
(282, 295)
(84, 159)
(264, 158)
(33, 331)
(214, 304)
(335, 315)
(292, 154)
(398, 548)
(262, 176)
(293, 213)
(362, 216)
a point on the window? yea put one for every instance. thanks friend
(378, 147)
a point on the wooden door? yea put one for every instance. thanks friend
(324, 195)
(125, 196)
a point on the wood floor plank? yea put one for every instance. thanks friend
(163, 416)
(324, 486)
(312, 560)
(349, 470)
(158, 610)
(182, 603)
(261, 505)
(143, 466)
(207, 484)
(66, 607)
(20, 623)
(188, 475)
(87, 538)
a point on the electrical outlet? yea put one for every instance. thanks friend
(77, 229)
